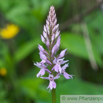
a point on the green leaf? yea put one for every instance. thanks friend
(5, 5)
(98, 40)
(18, 15)
(72, 87)
(78, 87)
(26, 49)
(30, 86)
(95, 29)
(76, 46)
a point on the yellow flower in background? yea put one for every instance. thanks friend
(3, 71)
(9, 32)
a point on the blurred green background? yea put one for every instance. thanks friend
(81, 26)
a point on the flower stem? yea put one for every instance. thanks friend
(53, 96)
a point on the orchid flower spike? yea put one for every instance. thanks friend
(51, 38)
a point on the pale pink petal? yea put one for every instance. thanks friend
(43, 39)
(55, 22)
(47, 43)
(67, 76)
(54, 61)
(53, 84)
(45, 78)
(43, 61)
(53, 37)
(38, 64)
(44, 34)
(54, 17)
(63, 62)
(62, 53)
(60, 69)
(48, 62)
(55, 28)
(47, 22)
(48, 86)
(56, 46)
(42, 56)
(56, 77)
(48, 70)
(57, 34)
(41, 49)
(45, 28)
(65, 66)
(41, 72)
(56, 68)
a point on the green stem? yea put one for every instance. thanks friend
(53, 96)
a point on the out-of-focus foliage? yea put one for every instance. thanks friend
(18, 52)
